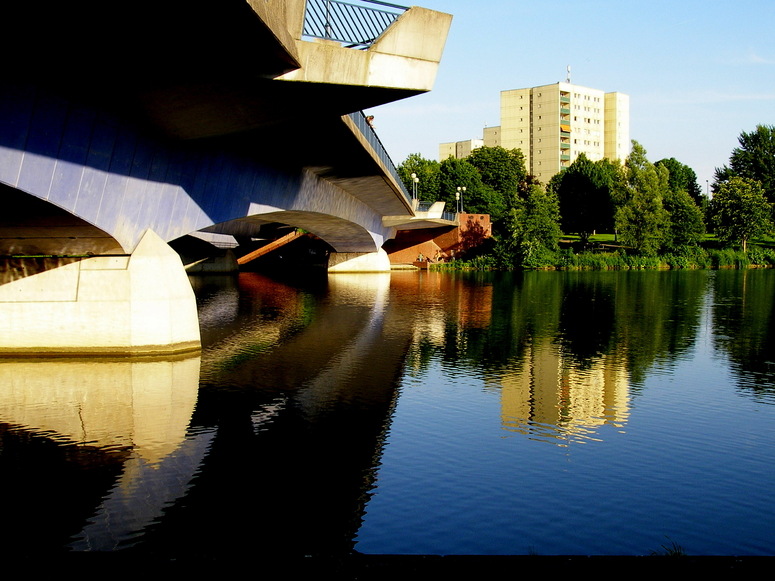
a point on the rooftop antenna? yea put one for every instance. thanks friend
(567, 79)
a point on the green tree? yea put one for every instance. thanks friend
(740, 211)
(642, 220)
(753, 159)
(501, 169)
(428, 176)
(458, 173)
(584, 195)
(682, 177)
(687, 226)
(532, 227)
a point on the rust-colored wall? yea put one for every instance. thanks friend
(439, 243)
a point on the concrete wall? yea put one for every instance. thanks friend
(439, 244)
(123, 179)
(405, 57)
(138, 304)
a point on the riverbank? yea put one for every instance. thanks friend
(567, 259)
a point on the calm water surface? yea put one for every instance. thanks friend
(549, 413)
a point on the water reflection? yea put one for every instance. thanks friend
(270, 441)
(634, 363)
(744, 327)
(132, 415)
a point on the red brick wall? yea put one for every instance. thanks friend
(435, 242)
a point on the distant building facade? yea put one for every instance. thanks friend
(459, 149)
(553, 124)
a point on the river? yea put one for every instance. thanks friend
(537, 413)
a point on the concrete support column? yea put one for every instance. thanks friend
(359, 261)
(137, 304)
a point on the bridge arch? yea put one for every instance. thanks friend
(341, 234)
(30, 226)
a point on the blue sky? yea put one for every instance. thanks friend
(697, 73)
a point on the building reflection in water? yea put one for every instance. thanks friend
(548, 399)
(544, 394)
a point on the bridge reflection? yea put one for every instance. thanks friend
(263, 444)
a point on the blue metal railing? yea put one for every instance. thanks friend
(355, 26)
(371, 136)
(368, 132)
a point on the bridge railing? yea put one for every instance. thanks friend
(355, 26)
(426, 206)
(364, 126)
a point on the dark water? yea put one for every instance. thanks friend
(537, 413)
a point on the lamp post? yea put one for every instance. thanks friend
(415, 181)
(459, 197)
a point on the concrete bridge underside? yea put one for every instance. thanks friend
(161, 119)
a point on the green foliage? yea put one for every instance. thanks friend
(584, 192)
(642, 220)
(687, 227)
(740, 211)
(490, 176)
(500, 169)
(458, 173)
(761, 256)
(532, 229)
(753, 159)
(427, 173)
(683, 178)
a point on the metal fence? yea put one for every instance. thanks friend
(355, 26)
(367, 130)
(426, 206)
(371, 136)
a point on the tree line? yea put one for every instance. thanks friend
(656, 212)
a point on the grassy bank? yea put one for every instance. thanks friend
(603, 253)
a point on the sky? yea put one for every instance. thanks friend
(698, 73)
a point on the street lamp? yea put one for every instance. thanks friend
(459, 198)
(415, 181)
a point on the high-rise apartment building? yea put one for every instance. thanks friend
(554, 124)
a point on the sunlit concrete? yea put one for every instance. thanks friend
(141, 303)
(359, 262)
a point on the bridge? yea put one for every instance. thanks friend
(128, 127)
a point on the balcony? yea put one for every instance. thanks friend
(352, 25)
(399, 49)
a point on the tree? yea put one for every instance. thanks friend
(682, 177)
(584, 195)
(642, 220)
(687, 227)
(754, 159)
(532, 227)
(501, 169)
(458, 173)
(427, 172)
(740, 211)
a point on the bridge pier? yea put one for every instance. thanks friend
(138, 304)
(359, 261)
